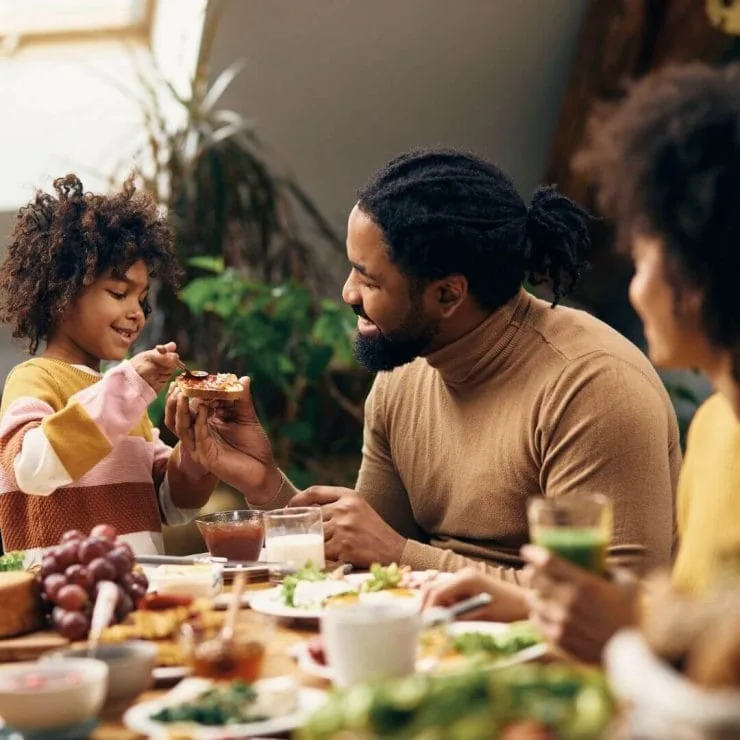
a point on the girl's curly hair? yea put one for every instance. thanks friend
(61, 244)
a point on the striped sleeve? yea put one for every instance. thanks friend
(99, 415)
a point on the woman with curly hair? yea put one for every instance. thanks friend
(76, 446)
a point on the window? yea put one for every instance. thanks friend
(36, 20)
(70, 81)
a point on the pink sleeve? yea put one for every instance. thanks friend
(117, 402)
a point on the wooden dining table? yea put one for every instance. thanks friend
(278, 662)
(284, 635)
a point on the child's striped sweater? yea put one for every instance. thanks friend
(78, 449)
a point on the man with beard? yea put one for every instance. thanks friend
(486, 396)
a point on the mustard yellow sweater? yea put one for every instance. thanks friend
(708, 494)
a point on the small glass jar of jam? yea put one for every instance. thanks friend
(234, 535)
(209, 655)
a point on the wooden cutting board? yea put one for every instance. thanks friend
(31, 646)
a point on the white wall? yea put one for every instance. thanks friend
(337, 87)
(340, 86)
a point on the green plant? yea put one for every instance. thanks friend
(288, 343)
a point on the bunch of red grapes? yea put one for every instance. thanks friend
(72, 571)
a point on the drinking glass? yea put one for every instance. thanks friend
(295, 536)
(577, 528)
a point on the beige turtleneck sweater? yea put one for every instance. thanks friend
(533, 402)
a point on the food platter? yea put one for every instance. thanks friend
(272, 602)
(139, 717)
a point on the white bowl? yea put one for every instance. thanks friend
(664, 705)
(42, 696)
(130, 666)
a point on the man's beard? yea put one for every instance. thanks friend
(383, 352)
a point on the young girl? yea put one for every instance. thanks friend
(77, 447)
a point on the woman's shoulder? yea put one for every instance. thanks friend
(714, 427)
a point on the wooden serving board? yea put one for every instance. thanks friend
(31, 646)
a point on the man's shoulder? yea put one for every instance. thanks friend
(575, 339)
(574, 333)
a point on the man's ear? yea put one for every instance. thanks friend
(450, 293)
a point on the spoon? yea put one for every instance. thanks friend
(193, 374)
(237, 589)
(441, 615)
(105, 605)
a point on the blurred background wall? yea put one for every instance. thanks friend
(336, 87)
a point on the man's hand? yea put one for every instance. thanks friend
(353, 532)
(155, 366)
(226, 438)
(509, 600)
(574, 609)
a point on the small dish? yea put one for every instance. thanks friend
(234, 535)
(130, 666)
(202, 581)
(167, 675)
(53, 695)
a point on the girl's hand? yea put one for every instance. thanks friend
(156, 367)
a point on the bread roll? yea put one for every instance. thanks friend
(20, 597)
(217, 387)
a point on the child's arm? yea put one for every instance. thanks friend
(184, 487)
(55, 447)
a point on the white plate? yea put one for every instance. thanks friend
(270, 601)
(169, 674)
(138, 718)
(534, 652)
(310, 666)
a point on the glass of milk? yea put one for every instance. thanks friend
(295, 536)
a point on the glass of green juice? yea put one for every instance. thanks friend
(577, 528)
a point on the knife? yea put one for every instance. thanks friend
(203, 560)
(198, 560)
(440, 615)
